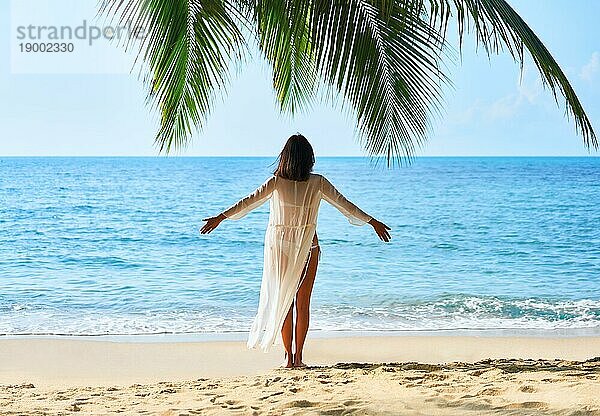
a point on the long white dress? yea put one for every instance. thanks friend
(292, 224)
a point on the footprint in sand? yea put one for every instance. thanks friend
(232, 405)
(491, 391)
(300, 403)
(167, 391)
(526, 405)
(215, 397)
(61, 397)
(345, 381)
(436, 377)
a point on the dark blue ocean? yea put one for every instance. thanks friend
(111, 245)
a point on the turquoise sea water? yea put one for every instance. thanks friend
(111, 245)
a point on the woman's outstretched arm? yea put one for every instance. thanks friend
(242, 207)
(354, 214)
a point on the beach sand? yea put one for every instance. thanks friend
(420, 375)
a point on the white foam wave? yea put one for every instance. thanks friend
(447, 313)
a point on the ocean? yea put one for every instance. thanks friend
(110, 246)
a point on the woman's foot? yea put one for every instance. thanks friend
(288, 362)
(298, 363)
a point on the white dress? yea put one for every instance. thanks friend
(292, 224)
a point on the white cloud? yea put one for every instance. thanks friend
(504, 107)
(528, 92)
(589, 70)
(528, 89)
(531, 87)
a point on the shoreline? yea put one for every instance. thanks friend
(51, 361)
(182, 337)
(408, 375)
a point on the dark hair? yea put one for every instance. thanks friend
(296, 160)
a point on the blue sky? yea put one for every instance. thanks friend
(487, 113)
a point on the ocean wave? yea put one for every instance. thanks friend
(466, 312)
(456, 312)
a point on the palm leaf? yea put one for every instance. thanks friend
(383, 57)
(188, 47)
(385, 60)
(497, 26)
(282, 33)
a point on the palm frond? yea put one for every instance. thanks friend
(188, 47)
(385, 59)
(284, 39)
(497, 26)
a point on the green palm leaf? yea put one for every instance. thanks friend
(498, 25)
(385, 60)
(383, 57)
(188, 47)
(282, 32)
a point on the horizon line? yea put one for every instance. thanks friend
(275, 156)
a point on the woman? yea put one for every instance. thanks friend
(291, 251)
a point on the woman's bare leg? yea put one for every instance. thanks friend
(286, 335)
(303, 302)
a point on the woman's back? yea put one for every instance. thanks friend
(295, 203)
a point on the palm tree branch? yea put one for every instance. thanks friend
(283, 38)
(383, 57)
(386, 65)
(497, 25)
(188, 47)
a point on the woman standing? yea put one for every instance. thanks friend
(291, 251)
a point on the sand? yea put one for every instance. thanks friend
(409, 375)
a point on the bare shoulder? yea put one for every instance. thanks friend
(271, 181)
(317, 179)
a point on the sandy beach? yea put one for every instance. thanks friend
(445, 375)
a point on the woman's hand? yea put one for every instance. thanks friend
(212, 223)
(381, 229)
